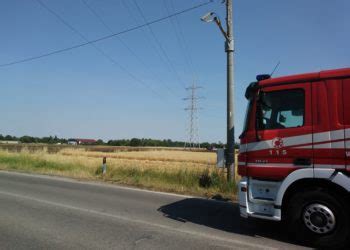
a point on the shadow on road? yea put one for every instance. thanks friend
(223, 216)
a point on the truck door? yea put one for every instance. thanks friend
(346, 109)
(328, 122)
(283, 130)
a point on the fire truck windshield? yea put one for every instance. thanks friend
(281, 109)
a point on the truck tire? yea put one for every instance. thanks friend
(319, 218)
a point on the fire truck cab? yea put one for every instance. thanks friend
(294, 155)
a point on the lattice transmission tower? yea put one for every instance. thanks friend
(193, 123)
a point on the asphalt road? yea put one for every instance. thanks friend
(40, 212)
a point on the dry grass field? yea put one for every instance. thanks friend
(164, 155)
(161, 169)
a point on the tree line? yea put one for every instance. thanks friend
(134, 142)
(144, 142)
(31, 139)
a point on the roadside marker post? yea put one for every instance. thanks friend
(104, 166)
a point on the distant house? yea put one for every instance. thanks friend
(81, 141)
(72, 142)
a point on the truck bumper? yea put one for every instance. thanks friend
(242, 196)
(257, 207)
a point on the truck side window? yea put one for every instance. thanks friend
(247, 115)
(281, 109)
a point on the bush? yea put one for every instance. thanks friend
(217, 178)
(205, 179)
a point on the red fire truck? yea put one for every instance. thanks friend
(294, 155)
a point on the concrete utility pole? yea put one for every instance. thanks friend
(229, 48)
(230, 154)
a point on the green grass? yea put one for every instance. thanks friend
(180, 181)
(27, 163)
(208, 182)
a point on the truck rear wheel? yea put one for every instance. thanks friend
(319, 218)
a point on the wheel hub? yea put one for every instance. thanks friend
(319, 218)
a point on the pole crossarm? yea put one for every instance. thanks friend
(218, 23)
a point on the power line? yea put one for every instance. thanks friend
(158, 43)
(185, 44)
(104, 37)
(109, 58)
(146, 35)
(95, 13)
(171, 21)
(181, 42)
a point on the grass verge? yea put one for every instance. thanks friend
(203, 181)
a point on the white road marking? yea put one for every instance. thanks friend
(123, 218)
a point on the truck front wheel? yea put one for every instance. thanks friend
(318, 217)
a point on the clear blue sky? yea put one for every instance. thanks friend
(80, 93)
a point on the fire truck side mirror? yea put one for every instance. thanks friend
(282, 119)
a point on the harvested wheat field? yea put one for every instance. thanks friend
(179, 171)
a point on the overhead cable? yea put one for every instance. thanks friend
(159, 44)
(102, 52)
(104, 37)
(138, 58)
